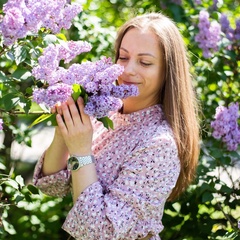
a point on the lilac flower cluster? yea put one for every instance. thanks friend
(215, 5)
(231, 34)
(198, 2)
(48, 68)
(97, 79)
(209, 34)
(226, 126)
(24, 16)
(225, 26)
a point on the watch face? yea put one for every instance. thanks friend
(74, 164)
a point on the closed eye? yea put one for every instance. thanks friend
(146, 63)
(123, 58)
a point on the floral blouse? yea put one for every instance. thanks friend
(137, 165)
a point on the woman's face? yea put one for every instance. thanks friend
(142, 59)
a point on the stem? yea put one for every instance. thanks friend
(13, 113)
(30, 113)
(226, 216)
(4, 50)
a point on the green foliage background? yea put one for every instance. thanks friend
(210, 207)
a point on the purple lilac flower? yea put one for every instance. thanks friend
(23, 16)
(53, 94)
(69, 50)
(225, 126)
(100, 106)
(198, 2)
(48, 68)
(1, 124)
(208, 36)
(237, 30)
(214, 6)
(123, 91)
(225, 27)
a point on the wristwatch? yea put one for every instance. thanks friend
(76, 162)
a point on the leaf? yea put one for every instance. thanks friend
(18, 198)
(19, 180)
(10, 101)
(21, 74)
(76, 91)
(207, 197)
(2, 166)
(20, 54)
(61, 36)
(25, 104)
(45, 118)
(28, 197)
(107, 122)
(226, 189)
(33, 189)
(12, 183)
(9, 228)
(49, 38)
(3, 77)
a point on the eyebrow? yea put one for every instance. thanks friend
(140, 54)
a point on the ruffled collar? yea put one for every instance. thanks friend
(149, 114)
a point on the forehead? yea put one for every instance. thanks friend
(138, 40)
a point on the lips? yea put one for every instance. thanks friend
(129, 83)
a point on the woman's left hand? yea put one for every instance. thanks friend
(76, 127)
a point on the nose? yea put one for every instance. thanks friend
(130, 68)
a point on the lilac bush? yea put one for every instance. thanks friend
(225, 27)
(225, 126)
(23, 17)
(209, 34)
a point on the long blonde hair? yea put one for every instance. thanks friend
(177, 95)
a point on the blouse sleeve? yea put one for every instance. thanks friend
(132, 207)
(57, 184)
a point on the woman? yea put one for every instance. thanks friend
(120, 179)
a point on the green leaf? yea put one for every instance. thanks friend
(21, 74)
(226, 189)
(2, 166)
(19, 180)
(10, 101)
(207, 197)
(20, 54)
(107, 122)
(79, 91)
(18, 198)
(28, 197)
(50, 38)
(76, 91)
(12, 183)
(3, 77)
(45, 118)
(33, 189)
(9, 228)
(25, 104)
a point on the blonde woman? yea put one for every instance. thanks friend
(120, 179)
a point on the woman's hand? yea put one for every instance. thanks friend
(75, 127)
